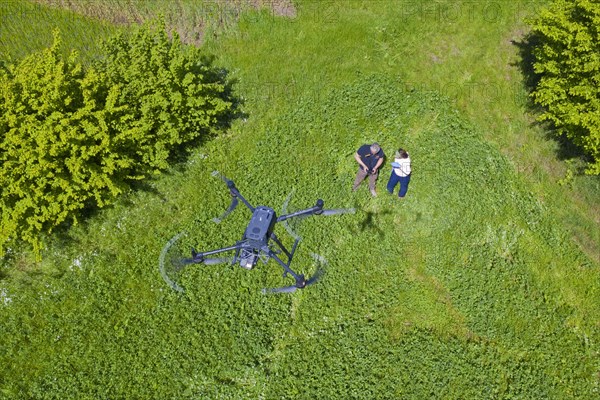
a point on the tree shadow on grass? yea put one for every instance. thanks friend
(566, 150)
(527, 60)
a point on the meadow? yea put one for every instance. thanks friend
(482, 283)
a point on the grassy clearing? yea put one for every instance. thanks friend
(470, 52)
(466, 51)
(26, 27)
(468, 289)
(439, 296)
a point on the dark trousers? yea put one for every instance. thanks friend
(402, 180)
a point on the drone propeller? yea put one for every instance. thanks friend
(285, 223)
(321, 261)
(234, 200)
(220, 175)
(172, 262)
(317, 275)
(169, 265)
(215, 261)
(292, 288)
(337, 211)
(286, 289)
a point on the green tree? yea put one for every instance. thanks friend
(161, 94)
(72, 138)
(567, 60)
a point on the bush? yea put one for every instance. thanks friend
(567, 60)
(74, 138)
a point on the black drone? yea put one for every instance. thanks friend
(259, 241)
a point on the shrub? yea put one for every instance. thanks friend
(567, 60)
(74, 138)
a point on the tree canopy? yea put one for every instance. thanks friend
(73, 138)
(567, 60)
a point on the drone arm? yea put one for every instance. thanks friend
(236, 193)
(289, 254)
(317, 209)
(199, 257)
(300, 280)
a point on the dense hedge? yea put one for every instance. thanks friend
(74, 137)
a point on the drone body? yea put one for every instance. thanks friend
(261, 225)
(258, 232)
(259, 241)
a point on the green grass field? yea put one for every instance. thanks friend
(482, 283)
(27, 27)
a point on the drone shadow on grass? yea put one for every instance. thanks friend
(369, 224)
(526, 47)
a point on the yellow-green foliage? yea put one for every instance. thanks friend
(568, 61)
(72, 138)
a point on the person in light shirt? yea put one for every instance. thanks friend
(400, 173)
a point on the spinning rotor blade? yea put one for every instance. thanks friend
(184, 262)
(215, 261)
(178, 265)
(285, 223)
(286, 289)
(293, 288)
(220, 175)
(337, 211)
(232, 206)
(286, 203)
(170, 265)
(172, 262)
(321, 262)
(318, 274)
(189, 261)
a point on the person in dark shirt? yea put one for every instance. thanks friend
(369, 158)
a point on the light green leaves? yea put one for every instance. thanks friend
(568, 62)
(73, 138)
